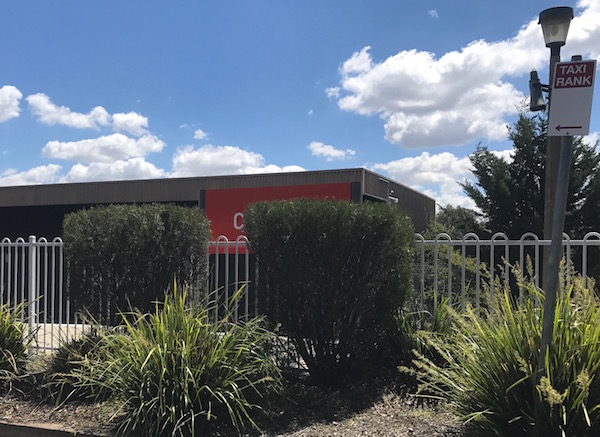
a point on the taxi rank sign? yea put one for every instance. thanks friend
(571, 98)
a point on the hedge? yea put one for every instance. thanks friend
(334, 276)
(127, 256)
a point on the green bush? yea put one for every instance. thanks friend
(15, 339)
(334, 275)
(489, 362)
(121, 255)
(175, 369)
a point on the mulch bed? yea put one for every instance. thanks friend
(300, 410)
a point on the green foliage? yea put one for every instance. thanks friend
(510, 195)
(489, 362)
(14, 342)
(454, 295)
(121, 255)
(65, 361)
(439, 320)
(334, 275)
(421, 323)
(175, 369)
(457, 222)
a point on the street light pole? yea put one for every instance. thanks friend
(555, 26)
(551, 173)
(565, 146)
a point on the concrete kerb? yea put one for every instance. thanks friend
(38, 430)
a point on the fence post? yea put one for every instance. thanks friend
(584, 254)
(32, 289)
(421, 241)
(467, 237)
(435, 266)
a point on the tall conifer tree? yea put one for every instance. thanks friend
(510, 193)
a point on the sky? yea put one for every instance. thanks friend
(113, 89)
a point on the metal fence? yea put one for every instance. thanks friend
(32, 273)
(32, 278)
(463, 269)
(232, 271)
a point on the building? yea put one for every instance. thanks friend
(39, 209)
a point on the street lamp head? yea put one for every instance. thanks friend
(536, 100)
(555, 25)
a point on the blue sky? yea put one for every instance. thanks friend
(144, 89)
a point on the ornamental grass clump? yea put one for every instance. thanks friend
(175, 369)
(488, 365)
(15, 339)
(60, 380)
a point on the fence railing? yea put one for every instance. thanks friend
(32, 272)
(231, 268)
(32, 275)
(455, 267)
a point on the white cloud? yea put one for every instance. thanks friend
(436, 175)
(310, 113)
(272, 168)
(51, 114)
(331, 153)
(359, 62)
(10, 97)
(592, 139)
(460, 96)
(44, 174)
(333, 92)
(433, 13)
(507, 155)
(104, 149)
(199, 134)
(135, 168)
(584, 31)
(212, 160)
(131, 122)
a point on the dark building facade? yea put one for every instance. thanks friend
(39, 209)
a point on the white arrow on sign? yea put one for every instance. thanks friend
(571, 98)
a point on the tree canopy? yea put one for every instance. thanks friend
(456, 221)
(510, 192)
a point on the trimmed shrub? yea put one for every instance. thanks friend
(121, 255)
(173, 370)
(334, 275)
(486, 367)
